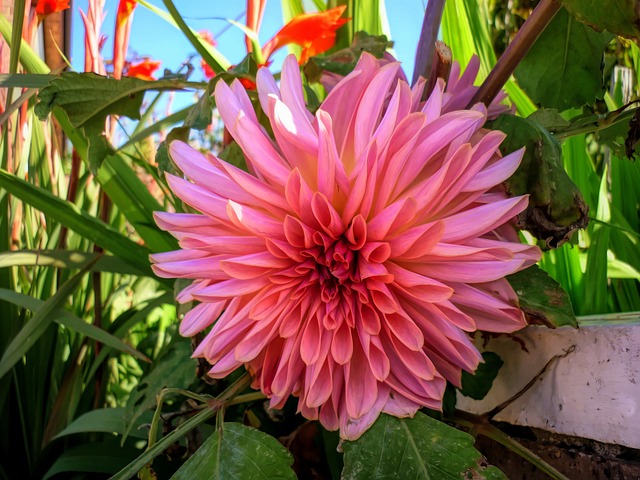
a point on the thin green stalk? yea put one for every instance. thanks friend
(201, 417)
(201, 48)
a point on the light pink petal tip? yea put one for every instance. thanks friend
(348, 268)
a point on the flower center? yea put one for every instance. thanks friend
(337, 269)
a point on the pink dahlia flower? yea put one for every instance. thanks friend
(349, 265)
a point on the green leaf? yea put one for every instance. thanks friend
(563, 69)
(419, 448)
(477, 385)
(542, 299)
(25, 80)
(344, 61)
(621, 17)
(238, 452)
(66, 318)
(89, 98)
(107, 420)
(126, 190)
(556, 207)
(66, 259)
(79, 221)
(38, 324)
(175, 369)
(104, 457)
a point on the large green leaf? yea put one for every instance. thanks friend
(563, 69)
(556, 207)
(78, 220)
(542, 299)
(419, 448)
(69, 320)
(238, 452)
(621, 17)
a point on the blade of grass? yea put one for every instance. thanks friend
(31, 62)
(210, 55)
(79, 221)
(38, 324)
(65, 259)
(69, 320)
(16, 34)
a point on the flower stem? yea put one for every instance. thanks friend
(479, 425)
(515, 52)
(428, 37)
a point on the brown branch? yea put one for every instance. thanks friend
(515, 52)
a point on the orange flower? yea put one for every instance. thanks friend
(47, 7)
(314, 32)
(125, 9)
(144, 69)
(208, 38)
(124, 17)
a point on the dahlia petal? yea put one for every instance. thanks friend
(353, 428)
(391, 218)
(327, 216)
(208, 268)
(341, 103)
(496, 173)
(416, 241)
(230, 288)
(198, 197)
(370, 108)
(247, 267)
(361, 387)
(419, 285)
(405, 330)
(200, 317)
(311, 341)
(342, 344)
(480, 220)
(292, 93)
(267, 87)
(253, 220)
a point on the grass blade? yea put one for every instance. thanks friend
(79, 221)
(71, 321)
(38, 324)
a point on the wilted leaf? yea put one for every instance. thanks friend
(477, 385)
(238, 452)
(563, 69)
(556, 207)
(343, 61)
(417, 448)
(542, 299)
(621, 17)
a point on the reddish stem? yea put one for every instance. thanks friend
(428, 37)
(515, 52)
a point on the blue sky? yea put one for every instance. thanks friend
(152, 36)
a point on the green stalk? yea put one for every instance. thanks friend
(134, 467)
